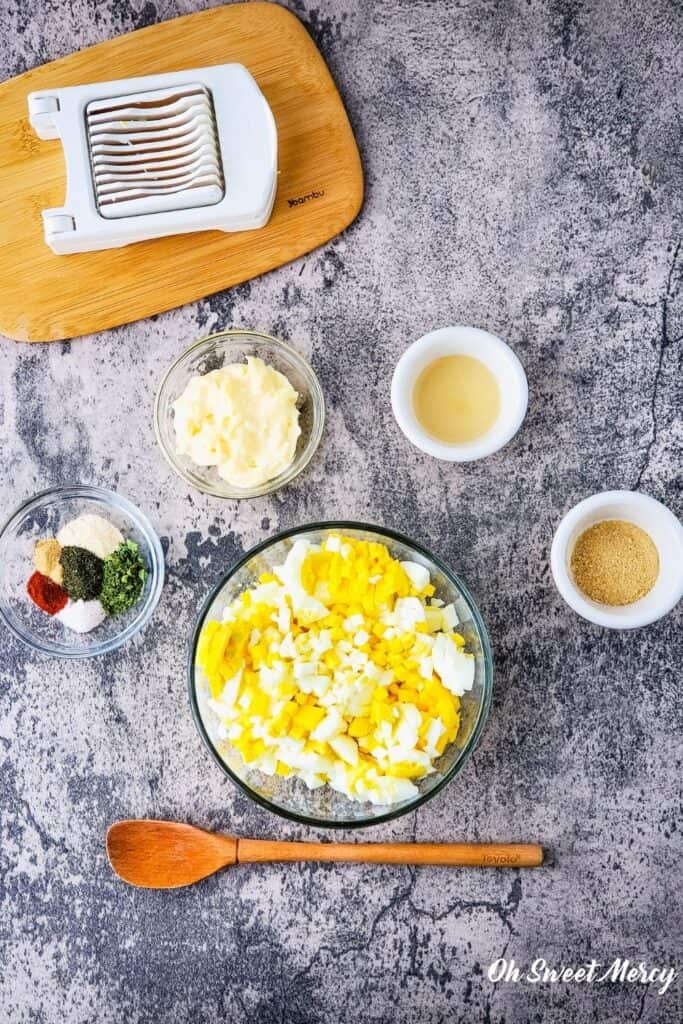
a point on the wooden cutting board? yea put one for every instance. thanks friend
(44, 297)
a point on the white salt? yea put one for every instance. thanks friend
(82, 616)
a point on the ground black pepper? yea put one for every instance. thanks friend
(83, 573)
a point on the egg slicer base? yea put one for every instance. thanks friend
(159, 155)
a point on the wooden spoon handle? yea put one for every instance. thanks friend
(471, 855)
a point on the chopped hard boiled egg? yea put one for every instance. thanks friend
(339, 667)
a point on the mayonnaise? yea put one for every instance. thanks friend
(243, 419)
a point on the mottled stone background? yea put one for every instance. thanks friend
(523, 174)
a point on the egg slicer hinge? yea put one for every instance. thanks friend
(159, 155)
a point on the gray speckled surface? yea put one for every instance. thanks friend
(523, 174)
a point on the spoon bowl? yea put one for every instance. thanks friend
(167, 854)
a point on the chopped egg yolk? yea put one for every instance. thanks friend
(339, 667)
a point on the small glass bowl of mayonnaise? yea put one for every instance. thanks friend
(257, 437)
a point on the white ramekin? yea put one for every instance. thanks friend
(665, 530)
(467, 341)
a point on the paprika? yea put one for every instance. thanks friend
(47, 594)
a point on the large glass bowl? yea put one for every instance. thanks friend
(212, 353)
(42, 517)
(324, 807)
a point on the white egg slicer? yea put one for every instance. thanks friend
(159, 155)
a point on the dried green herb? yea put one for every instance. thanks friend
(83, 573)
(124, 577)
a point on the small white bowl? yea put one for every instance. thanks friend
(658, 522)
(495, 355)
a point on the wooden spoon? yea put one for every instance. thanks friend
(168, 854)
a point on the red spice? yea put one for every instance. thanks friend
(47, 594)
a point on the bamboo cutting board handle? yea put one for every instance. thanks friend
(473, 855)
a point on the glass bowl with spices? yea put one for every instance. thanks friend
(617, 559)
(81, 571)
